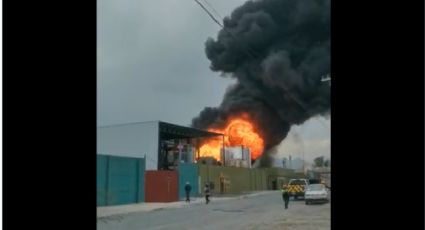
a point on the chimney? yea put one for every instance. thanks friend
(290, 162)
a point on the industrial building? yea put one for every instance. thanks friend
(162, 144)
(151, 162)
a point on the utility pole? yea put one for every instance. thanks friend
(290, 163)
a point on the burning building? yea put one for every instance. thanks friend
(164, 145)
(238, 131)
(135, 161)
(239, 156)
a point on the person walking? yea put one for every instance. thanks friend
(285, 196)
(207, 193)
(187, 189)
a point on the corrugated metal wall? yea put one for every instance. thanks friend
(243, 179)
(120, 180)
(276, 177)
(188, 172)
(161, 186)
(239, 179)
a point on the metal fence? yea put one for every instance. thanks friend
(120, 180)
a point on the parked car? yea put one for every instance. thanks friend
(316, 193)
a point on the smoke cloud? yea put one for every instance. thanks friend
(278, 51)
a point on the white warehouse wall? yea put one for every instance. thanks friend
(130, 140)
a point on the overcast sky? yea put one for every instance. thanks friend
(151, 65)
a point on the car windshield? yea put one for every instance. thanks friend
(315, 187)
(297, 182)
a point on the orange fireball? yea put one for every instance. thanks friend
(238, 131)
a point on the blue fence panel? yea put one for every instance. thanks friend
(101, 181)
(122, 186)
(120, 180)
(141, 179)
(188, 173)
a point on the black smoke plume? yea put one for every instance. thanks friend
(278, 50)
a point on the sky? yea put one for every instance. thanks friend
(151, 65)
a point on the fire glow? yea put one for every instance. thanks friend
(238, 131)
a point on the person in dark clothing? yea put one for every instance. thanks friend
(285, 196)
(207, 193)
(187, 189)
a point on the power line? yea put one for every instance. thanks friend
(211, 16)
(247, 49)
(213, 9)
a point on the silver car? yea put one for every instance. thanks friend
(316, 193)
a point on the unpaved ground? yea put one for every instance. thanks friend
(258, 212)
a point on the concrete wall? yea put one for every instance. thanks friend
(130, 140)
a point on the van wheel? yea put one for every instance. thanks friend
(307, 202)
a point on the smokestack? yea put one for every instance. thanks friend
(290, 162)
(278, 51)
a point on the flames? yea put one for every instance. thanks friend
(211, 149)
(238, 131)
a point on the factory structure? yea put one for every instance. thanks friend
(152, 161)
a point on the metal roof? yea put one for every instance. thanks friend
(178, 131)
